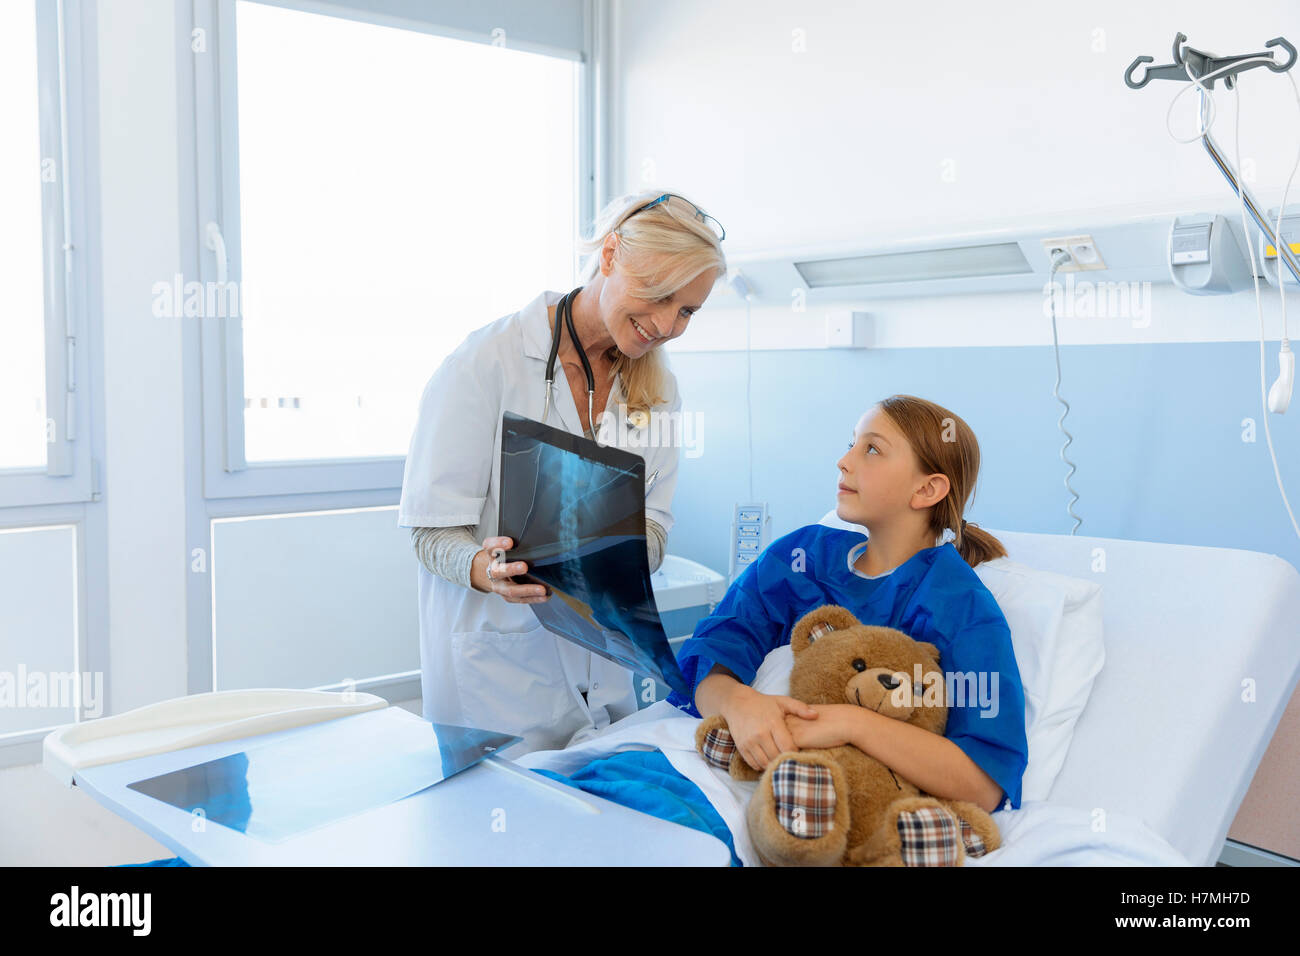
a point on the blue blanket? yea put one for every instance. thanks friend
(645, 780)
(167, 861)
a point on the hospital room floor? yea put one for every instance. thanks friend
(43, 823)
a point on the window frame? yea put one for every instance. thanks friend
(70, 473)
(67, 66)
(226, 471)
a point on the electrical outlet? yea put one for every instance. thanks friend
(1084, 255)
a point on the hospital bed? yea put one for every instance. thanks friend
(1170, 734)
(1201, 658)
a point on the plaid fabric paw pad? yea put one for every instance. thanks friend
(718, 747)
(818, 630)
(928, 836)
(974, 843)
(805, 799)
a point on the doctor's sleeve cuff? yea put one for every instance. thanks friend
(1006, 767)
(655, 537)
(447, 552)
(454, 510)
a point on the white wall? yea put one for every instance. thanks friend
(849, 139)
(872, 123)
(144, 488)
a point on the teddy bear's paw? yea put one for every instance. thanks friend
(979, 833)
(718, 746)
(804, 798)
(971, 840)
(931, 835)
(799, 813)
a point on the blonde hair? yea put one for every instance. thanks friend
(660, 250)
(943, 443)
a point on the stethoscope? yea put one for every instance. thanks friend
(564, 312)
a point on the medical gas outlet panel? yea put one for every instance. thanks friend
(751, 531)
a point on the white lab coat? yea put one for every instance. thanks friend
(484, 661)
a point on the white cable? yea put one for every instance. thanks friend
(1259, 304)
(1196, 84)
(1277, 230)
(749, 406)
(1062, 256)
(1285, 359)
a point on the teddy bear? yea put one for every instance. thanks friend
(839, 806)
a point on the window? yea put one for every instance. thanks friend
(384, 190)
(44, 448)
(22, 335)
(50, 660)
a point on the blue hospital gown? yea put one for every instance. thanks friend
(934, 596)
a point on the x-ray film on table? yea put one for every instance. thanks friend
(323, 774)
(575, 511)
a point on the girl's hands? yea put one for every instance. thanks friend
(835, 726)
(493, 554)
(758, 724)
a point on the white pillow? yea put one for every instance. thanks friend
(1056, 635)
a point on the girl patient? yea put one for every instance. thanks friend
(906, 477)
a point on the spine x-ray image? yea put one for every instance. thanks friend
(575, 511)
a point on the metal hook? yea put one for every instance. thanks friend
(1179, 40)
(1171, 71)
(1146, 76)
(1174, 70)
(1229, 81)
(1281, 67)
(1199, 64)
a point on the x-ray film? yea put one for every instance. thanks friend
(323, 773)
(575, 511)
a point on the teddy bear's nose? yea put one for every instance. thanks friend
(887, 680)
(859, 664)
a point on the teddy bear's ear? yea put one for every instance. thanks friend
(930, 649)
(818, 622)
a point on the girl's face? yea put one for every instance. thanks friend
(878, 474)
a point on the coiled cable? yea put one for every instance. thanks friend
(1059, 259)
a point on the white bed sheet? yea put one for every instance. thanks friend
(1202, 656)
(1037, 834)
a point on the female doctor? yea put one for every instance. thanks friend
(485, 660)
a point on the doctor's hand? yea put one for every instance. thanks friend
(498, 582)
